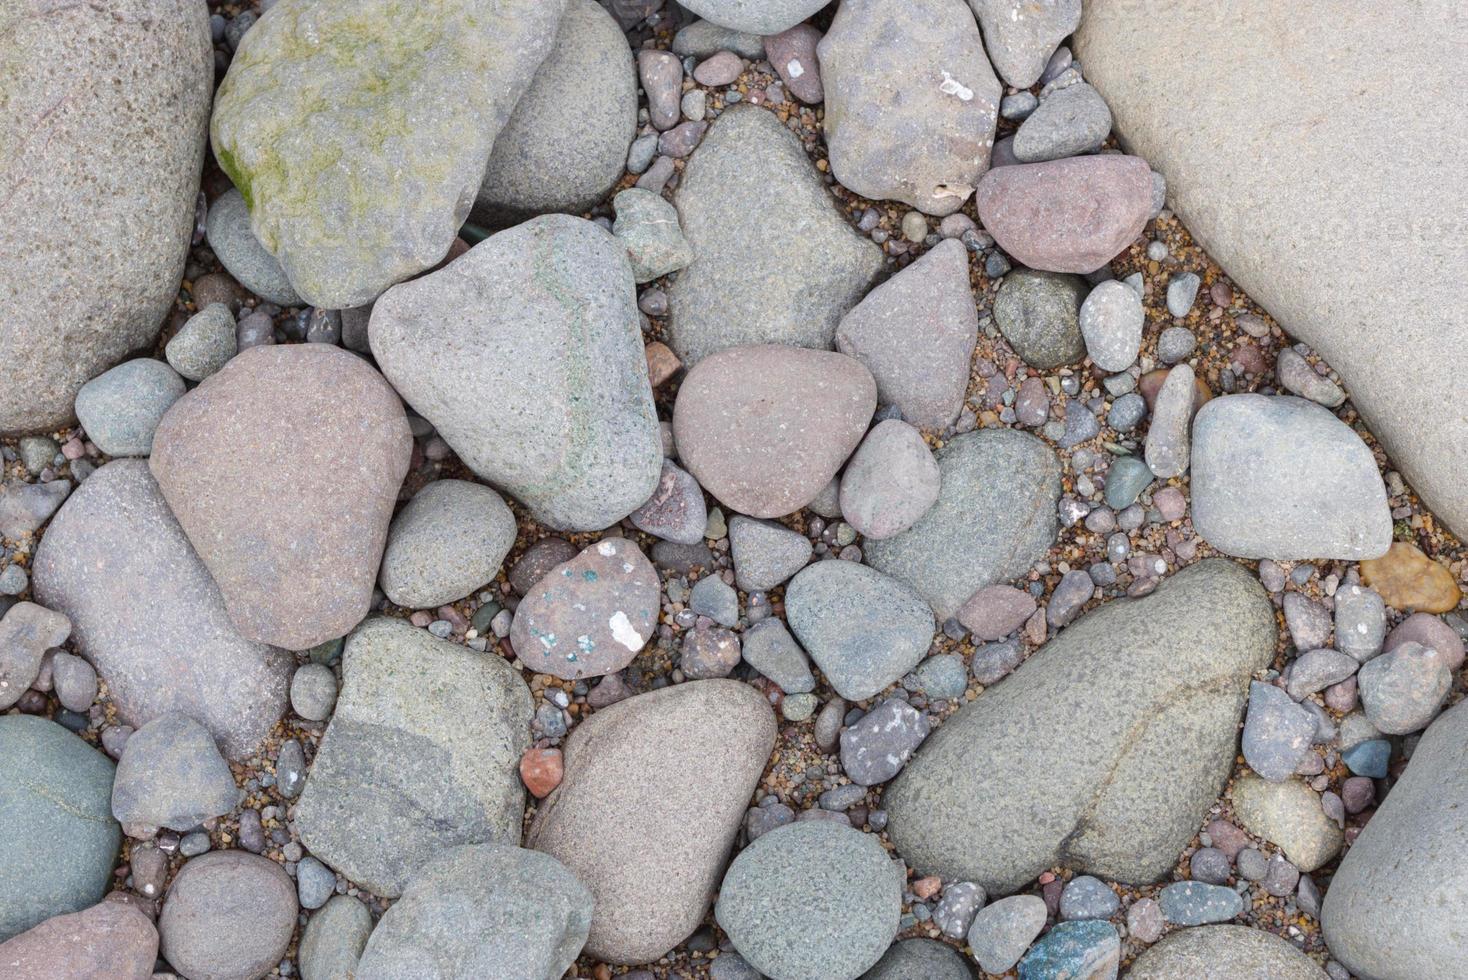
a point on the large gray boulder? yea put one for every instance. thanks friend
(475, 910)
(103, 124)
(1206, 93)
(1103, 751)
(774, 260)
(60, 840)
(148, 615)
(1396, 907)
(424, 772)
(675, 766)
(994, 517)
(359, 134)
(526, 355)
(1224, 953)
(566, 142)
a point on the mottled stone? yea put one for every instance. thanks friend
(1090, 949)
(1039, 314)
(293, 572)
(648, 226)
(875, 749)
(204, 344)
(676, 511)
(1287, 814)
(770, 649)
(1277, 733)
(792, 54)
(1402, 690)
(995, 612)
(1224, 953)
(27, 631)
(1408, 579)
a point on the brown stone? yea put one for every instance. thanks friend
(1071, 215)
(283, 469)
(1151, 383)
(541, 771)
(994, 612)
(109, 941)
(662, 363)
(1408, 579)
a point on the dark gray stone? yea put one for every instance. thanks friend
(875, 749)
(765, 553)
(1277, 732)
(1039, 314)
(240, 252)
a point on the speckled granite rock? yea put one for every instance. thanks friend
(353, 184)
(526, 355)
(1224, 953)
(1140, 697)
(466, 743)
(103, 122)
(109, 941)
(225, 450)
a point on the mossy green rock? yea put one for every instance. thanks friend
(359, 132)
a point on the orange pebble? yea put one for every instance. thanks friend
(927, 887)
(541, 771)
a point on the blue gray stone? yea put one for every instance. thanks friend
(121, 408)
(1090, 948)
(1193, 903)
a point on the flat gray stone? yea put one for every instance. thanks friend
(473, 910)
(60, 840)
(1395, 907)
(995, 515)
(240, 252)
(895, 131)
(425, 773)
(770, 649)
(565, 145)
(762, 17)
(227, 914)
(920, 959)
(450, 539)
(890, 482)
(105, 118)
(120, 409)
(1288, 814)
(526, 355)
(702, 38)
(1224, 953)
(811, 900)
(863, 629)
(676, 766)
(1140, 697)
(352, 184)
(1280, 477)
(172, 775)
(774, 259)
(1214, 101)
(333, 939)
(1021, 36)
(148, 615)
(1194, 903)
(916, 334)
(1068, 121)
(1277, 732)
(1039, 314)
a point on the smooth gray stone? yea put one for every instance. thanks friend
(121, 408)
(104, 121)
(1397, 903)
(240, 252)
(172, 775)
(60, 840)
(1223, 91)
(474, 910)
(426, 773)
(229, 915)
(1021, 35)
(1224, 953)
(333, 940)
(450, 539)
(995, 515)
(770, 649)
(920, 959)
(763, 17)
(1140, 697)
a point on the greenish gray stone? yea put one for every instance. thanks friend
(1127, 477)
(1225, 953)
(1397, 903)
(1039, 314)
(60, 840)
(566, 142)
(451, 538)
(774, 260)
(359, 133)
(811, 900)
(648, 225)
(103, 121)
(526, 355)
(476, 910)
(423, 772)
(121, 408)
(240, 252)
(862, 628)
(1003, 930)
(701, 39)
(204, 344)
(1103, 751)
(995, 516)
(920, 959)
(1288, 814)
(769, 648)
(333, 940)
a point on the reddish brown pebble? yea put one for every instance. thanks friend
(110, 939)
(662, 363)
(793, 55)
(1227, 838)
(1221, 294)
(1408, 579)
(719, 69)
(541, 771)
(997, 611)
(926, 888)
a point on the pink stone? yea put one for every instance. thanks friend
(109, 941)
(718, 69)
(793, 54)
(1431, 632)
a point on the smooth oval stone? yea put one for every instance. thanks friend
(1224, 953)
(891, 481)
(920, 959)
(1021, 36)
(240, 252)
(565, 144)
(764, 428)
(527, 357)
(464, 743)
(1070, 215)
(110, 941)
(353, 184)
(333, 939)
(475, 909)
(862, 628)
(1287, 814)
(1167, 437)
(228, 915)
(1193, 903)
(451, 538)
(1038, 313)
(1111, 319)
(994, 612)
(294, 572)
(1280, 477)
(116, 549)
(675, 766)
(775, 260)
(60, 840)
(121, 408)
(1431, 632)
(104, 121)
(811, 900)
(591, 615)
(894, 132)
(755, 16)
(1396, 904)
(995, 515)
(1008, 786)
(172, 775)
(916, 334)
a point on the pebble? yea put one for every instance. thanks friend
(333, 939)
(695, 104)
(703, 38)
(1086, 897)
(1297, 376)
(204, 344)
(27, 631)
(718, 69)
(1127, 412)
(1316, 670)
(770, 649)
(313, 691)
(240, 252)
(1168, 444)
(648, 225)
(713, 598)
(942, 677)
(1360, 622)
(1281, 877)
(1182, 291)
(450, 539)
(793, 55)
(1253, 865)
(121, 408)
(1277, 732)
(709, 652)
(890, 481)
(1111, 319)
(1431, 632)
(1068, 122)
(875, 749)
(1022, 40)
(993, 661)
(661, 74)
(315, 883)
(955, 911)
(1210, 866)
(920, 957)
(172, 775)
(1125, 481)
(1401, 691)
(1144, 920)
(1409, 580)
(1073, 591)
(1086, 948)
(1002, 931)
(290, 769)
(678, 142)
(227, 914)
(1176, 344)
(1309, 622)
(74, 680)
(1018, 106)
